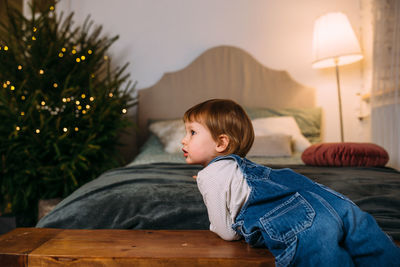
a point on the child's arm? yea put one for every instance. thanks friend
(218, 213)
(223, 194)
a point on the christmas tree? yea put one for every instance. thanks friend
(62, 107)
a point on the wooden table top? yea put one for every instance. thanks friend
(60, 247)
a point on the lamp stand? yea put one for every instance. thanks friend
(340, 101)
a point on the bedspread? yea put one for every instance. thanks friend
(165, 196)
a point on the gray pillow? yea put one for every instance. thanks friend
(277, 145)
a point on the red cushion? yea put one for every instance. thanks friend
(345, 154)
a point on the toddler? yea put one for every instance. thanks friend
(301, 222)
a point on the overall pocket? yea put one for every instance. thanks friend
(288, 219)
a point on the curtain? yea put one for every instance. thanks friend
(385, 93)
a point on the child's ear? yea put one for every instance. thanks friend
(222, 144)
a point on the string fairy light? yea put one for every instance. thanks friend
(19, 67)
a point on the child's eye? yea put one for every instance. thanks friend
(192, 132)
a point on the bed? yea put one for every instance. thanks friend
(156, 190)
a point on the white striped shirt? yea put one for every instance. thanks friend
(224, 191)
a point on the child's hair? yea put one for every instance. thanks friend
(224, 116)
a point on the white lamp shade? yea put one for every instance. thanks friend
(334, 41)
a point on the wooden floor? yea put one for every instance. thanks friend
(58, 247)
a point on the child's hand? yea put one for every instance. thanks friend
(194, 177)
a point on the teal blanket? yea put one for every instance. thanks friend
(165, 196)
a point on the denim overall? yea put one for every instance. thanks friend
(303, 223)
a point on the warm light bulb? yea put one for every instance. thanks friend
(51, 8)
(41, 72)
(8, 82)
(65, 129)
(12, 87)
(43, 103)
(23, 97)
(64, 100)
(83, 57)
(19, 67)
(74, 51)
(110, 94)
(34, 29)
(22, 113)
(87, 106)
(83, 111)
(77, 102)
(63, 49)
(78, 59)
(91, 98)
(124, 110)
(89, 52)
(33, 38)
(76, 129)
(83, 96)
(37, 131)
(5, 48)
(60, 54)
(17, 128)
(55, 85)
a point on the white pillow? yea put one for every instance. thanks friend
(170, 133)
(281, 125)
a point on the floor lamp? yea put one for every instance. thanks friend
(335, 44)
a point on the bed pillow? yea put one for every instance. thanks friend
(277, 145)
(308, 119)
(170, 133)
(281, 125)
(345, 154)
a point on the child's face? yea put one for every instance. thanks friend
(198, 145)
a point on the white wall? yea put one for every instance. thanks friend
(158, 36)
